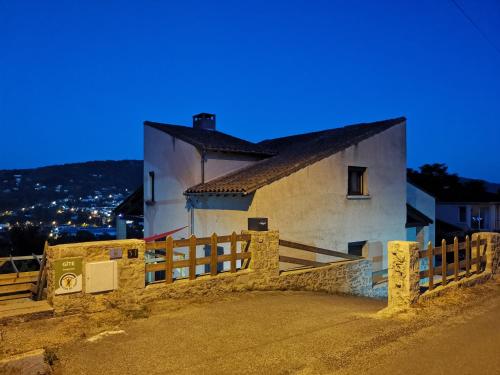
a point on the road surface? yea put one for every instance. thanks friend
(300, 333)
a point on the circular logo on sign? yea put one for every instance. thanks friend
(68, 281)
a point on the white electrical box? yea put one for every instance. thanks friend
(101, 276)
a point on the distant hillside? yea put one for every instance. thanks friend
(28, 187)
(490, 187)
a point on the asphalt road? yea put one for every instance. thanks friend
(299, 333)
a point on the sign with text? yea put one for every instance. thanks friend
(69, 275)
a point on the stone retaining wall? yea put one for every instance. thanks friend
(131, 275)
(348, 277)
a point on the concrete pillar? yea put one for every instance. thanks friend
(403, 265)
(264, 247)
(492, 250)
(121, 228)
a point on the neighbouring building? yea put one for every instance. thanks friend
(343, 188)
(479, 215)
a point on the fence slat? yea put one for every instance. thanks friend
(192, 257)
(430, 258)
(303, 262)
(318, 250)
(169, 258)
(443, 262)
(233, 252)
(478, 257)
(213, 255)
(467, 256)
(455, 258)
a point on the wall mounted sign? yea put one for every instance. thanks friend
(115, 253)
(132, 253)
(69, 276)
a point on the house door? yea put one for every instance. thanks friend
(480, 217)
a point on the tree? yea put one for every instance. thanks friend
(435, 179)
(26, 239)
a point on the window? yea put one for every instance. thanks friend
(462, 214)
(151, 199)
(356, 181)
(356, 248)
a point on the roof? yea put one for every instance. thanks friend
(415, 218)
(133, 205)
(211, 140)
(293, 153)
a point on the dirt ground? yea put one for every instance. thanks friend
(274, 333)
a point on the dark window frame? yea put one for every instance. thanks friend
(356, 248)
(151, 199)
(360, 176)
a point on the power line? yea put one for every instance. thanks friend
(483, 34)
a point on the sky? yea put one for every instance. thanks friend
(78, 78)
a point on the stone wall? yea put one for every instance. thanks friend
(262, 273)
(403, 272)
(404, 277)
(347, 277)
(131, 275)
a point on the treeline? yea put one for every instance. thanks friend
(444, 186)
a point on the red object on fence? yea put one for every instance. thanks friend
(163, 235)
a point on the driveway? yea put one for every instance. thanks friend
(298, 333)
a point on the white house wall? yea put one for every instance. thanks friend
(177, 165)
(426, 204)
(218, 164)
(310, 205)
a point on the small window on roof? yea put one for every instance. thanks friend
(356, 184)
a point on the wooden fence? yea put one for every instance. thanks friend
(464, 262)
(18, 284)
(312, 249)
(169, 264)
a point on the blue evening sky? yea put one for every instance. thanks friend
(78, 78)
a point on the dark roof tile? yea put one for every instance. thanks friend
(211, 140)
(294, 153)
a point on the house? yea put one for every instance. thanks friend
(343, 188)
(477, 215)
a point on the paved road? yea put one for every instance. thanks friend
(467, 343)
(300, 333)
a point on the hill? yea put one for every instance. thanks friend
(98, 183)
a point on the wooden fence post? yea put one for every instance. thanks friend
(169, 259)
(42, 274)
(233, 252)
(478, 257)
(455, 257)
(444, 265)
(192, 257)
(213, 255)
(430, 257)
(467, 256)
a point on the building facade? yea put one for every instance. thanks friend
(342, 189)
(470, 216)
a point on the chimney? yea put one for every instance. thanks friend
(204, 121)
